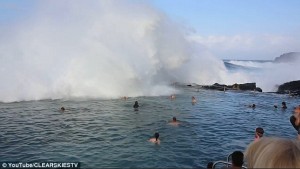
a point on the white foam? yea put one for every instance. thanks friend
(107, 49)
(99, 49)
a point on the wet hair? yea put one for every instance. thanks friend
(253, 105)
(273, 153)
(156, 135)
(275, 106)
(136, 104)
(260, 131)
(284, 105)
(174, 119)
(237, 158)
(62, 109)
(210, 165)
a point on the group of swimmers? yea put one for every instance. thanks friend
(262, 152)
(174, 121)
(155, 139)
(283, 106)
(173, 97)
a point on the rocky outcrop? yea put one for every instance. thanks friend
(292, 88)
(243, 87)
(288, 57)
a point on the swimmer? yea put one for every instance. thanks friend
(136, 105)
(124, 97)
(174, 122)
(283, 105)
(194, 100)
(252, 106)
(62, 109)
(155, 139)
(172, 97)
(275, 106)
(259, 132)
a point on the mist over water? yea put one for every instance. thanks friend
(268, 74)
(102, 49)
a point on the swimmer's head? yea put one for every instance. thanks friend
(136, 102)
(260, 131)
(253, 105)
(174, 119)
(62, 109)
(283, 103)
(156, 135)
(275, 106)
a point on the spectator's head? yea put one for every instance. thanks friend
(237, 158)
(210, 165)
(273, 153)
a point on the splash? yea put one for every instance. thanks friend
(99, 49)
(268, 74)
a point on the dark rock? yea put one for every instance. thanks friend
(247, 86)
(292, 88)
(244, 87)
(215, 86)
(258, 89)
(288, 57)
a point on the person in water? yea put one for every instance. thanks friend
(275, 106)
(252, 106)
(295, 120)
(62, 109)
(174, 121)
(136, 105)
(259, 132)
(124, 97)
(194, 100)
(172, 97)
(283, 105)
(155, 139)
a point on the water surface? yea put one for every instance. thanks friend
(108, 133)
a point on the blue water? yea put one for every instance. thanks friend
(108, 133)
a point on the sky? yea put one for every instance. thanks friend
(240, 29)
(229, 29)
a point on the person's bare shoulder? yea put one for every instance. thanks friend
(153, 140)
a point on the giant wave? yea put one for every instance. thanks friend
(107, 49)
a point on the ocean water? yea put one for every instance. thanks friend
(109, 133)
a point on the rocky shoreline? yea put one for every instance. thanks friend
(292, 88)
(241, 87)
